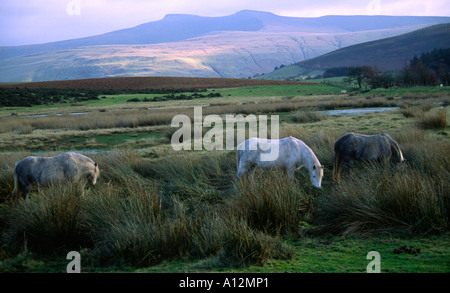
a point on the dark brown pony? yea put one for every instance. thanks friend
(367, 148)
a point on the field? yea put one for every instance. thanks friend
(155, 209)
(150, 82)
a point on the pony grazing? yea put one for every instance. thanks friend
(367, 148)
(291, 153)
(67, 167)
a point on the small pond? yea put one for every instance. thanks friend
(357, 111)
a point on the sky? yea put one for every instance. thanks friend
(24, 22)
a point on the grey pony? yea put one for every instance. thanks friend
(67, 167)
(353, 147)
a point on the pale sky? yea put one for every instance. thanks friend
(25, 22)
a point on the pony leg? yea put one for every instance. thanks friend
(25, 190)
(290, 172)
(241, 172)
(349, 165)
(336, 174)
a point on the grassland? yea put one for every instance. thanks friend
(158, 210)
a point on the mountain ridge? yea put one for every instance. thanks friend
(388, 54)
(179, 27)
(236, 46)
(385, 53)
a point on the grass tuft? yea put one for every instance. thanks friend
(434, 120)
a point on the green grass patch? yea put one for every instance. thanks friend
(310, 255)
(410, 90)
(104, 142)
(280, 91)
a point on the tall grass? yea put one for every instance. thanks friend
(127, 219)
(271, 203)
(187, 205)
(242, 246)
(150, 116)
(49, 222)
(377, 200)
(307, 117)
(434, 120)
(138, 230)
(409, 198)
(192, 175)
(7, 163)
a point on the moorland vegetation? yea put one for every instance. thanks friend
(153, 206)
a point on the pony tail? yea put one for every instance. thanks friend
(16, 191)
(337, 166)
(399, 153)
(395, 150)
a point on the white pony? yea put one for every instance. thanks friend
(292, 153)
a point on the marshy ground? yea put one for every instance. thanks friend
(159, 210)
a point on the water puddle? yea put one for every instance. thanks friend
(59, 114)
(357, 111)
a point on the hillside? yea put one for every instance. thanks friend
(235, 46)
(137, 83)
(388, 54)
(179, 27)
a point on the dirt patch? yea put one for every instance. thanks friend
(408, 250)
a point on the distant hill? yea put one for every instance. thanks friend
(388, 54)
(235, 46)
(149, 82)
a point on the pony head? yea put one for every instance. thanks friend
(316, 175)
(92, 175)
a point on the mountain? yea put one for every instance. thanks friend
(386, 54)
(238, 45)
(172, 28)
(389, 54)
